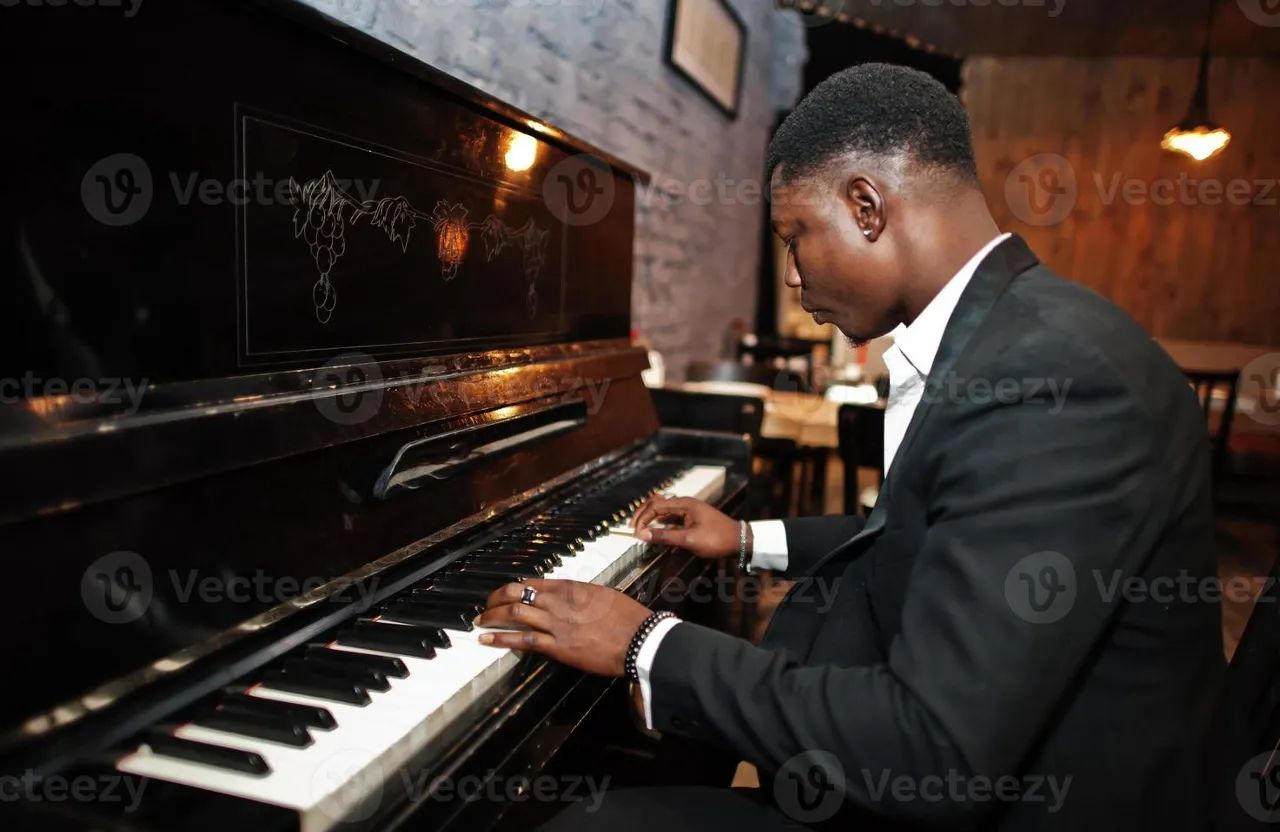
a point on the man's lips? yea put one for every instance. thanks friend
(820, 315)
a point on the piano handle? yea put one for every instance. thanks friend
(442, 456)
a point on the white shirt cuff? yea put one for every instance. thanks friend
(769, 545)
(644, 661)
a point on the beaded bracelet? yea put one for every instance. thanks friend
(637, 641)
(743, 564)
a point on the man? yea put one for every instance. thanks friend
(1014, 638)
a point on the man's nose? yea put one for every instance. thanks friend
(792, 275)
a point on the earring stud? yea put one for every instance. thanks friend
(866, 232)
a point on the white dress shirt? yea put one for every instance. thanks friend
(909, 362)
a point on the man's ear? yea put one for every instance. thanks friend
(866, 206)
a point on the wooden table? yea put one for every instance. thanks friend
(812, 421)
(809, 419)
(1212, 356)
(1231, 358)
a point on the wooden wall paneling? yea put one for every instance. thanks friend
(1188, 269)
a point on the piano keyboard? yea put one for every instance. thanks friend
(322, 730)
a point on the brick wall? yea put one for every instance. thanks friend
(594, 68)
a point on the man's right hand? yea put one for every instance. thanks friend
(704, 531)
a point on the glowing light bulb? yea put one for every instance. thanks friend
(1200, 143)
(522, 150)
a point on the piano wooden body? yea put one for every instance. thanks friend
(308, 346)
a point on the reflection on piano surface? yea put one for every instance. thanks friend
(249, 589)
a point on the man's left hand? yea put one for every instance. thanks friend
(583, 625)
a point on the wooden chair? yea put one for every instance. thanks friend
(1245, 467)
(743, 415)
(1206, 385)
(783, 456)
(861, 431)
(774, 350)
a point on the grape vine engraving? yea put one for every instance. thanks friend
(322, 209)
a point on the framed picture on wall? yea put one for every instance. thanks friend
(707, 44)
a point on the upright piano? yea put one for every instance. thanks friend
(308, 348)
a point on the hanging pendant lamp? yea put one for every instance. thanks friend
(1197, 135)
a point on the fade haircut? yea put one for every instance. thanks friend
(877, 110)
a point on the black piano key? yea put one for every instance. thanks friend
(511, 570)
(388, 666)
(282, 731)
(554, 554)
(540, 562)
(434, 636)
(476, 588)
(317, 685)
(568, 537)
(365, 678)
(164, 743)
(571, 541)
(561, 521)
(465, 593)
(308, 715)
(604, 516)
(435, 599)
(585, 534)
(560, 547)
(389, 638)
(423, 615)
(584, 526)
(547, 562)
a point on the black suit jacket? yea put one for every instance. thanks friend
(977, 628)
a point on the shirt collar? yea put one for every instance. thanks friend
(919, 342)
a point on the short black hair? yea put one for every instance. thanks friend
(878, 110)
